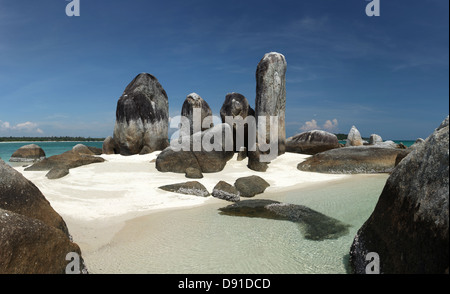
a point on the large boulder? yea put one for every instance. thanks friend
(314, 225)
(354, 138)
(194, 101)
(175, 159)
(375, 139)
(19, 195)
(142, 117)
(64, 161)
(34, 238)
(28, 153)
(236, 107)
(312, 142)
(251, 186)
(271, 94)
(110, 146)
(353, 160)
(409, 228)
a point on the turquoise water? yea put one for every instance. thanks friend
(50, 148)
(407, 143)
(200, 240)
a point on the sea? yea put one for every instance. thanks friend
(50, 148)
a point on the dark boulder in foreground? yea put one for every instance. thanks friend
(28, 153)
(142, 117)
(353, 160)
(225, 191)
(314, 225)
(312, 142)
(19, 195)
(67, 160)
(34, 238)
(188, 188)
(409, 228)
(251, 186)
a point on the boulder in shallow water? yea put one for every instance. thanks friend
(409, 228)
(314, 225)
(28, 153)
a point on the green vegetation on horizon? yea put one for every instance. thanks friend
(48, 139)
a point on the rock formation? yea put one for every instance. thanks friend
(110, 146)
(194, 101)
(236, 106)
(312, 142)
(28, 153)
(207, 161)
(65, 161)
(409, 228)
(314, 225)
(375, 139)
(225, 191)
(251, 186)
(34, 238)
(352, 160)
(354, 138)
(188, 188)
(271, 94)
(142, 117)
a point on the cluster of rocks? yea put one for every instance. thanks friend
(243, 187)
(142, 121)
(34, 238)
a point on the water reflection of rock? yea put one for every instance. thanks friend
(314, 225)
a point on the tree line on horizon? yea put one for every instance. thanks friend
(48, 139)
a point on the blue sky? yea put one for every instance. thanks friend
(63, 75)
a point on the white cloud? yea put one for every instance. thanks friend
(329, 125)
(27, 127)
(310, 125)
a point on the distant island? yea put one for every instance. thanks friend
(50, 139)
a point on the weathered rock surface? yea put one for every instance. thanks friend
(28, 153)
(312, 142)
(313, 225)
(242, 154)
(271, 94)
(194, 101)
(142, 117)
(29, 246)
(34, 238)
(251, 186)
(67, 160)
(193, 173)
(82, 150)
(409, 228)
(110, 146)
(57, 172)
(225, 191)
(21, 196)
(375, 139)
(189, 188)
(207, 161)
(352, 160)
(255, 162)
(419, 142)
(354, 138)
(236, 107)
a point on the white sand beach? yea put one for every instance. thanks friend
(98, 199)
